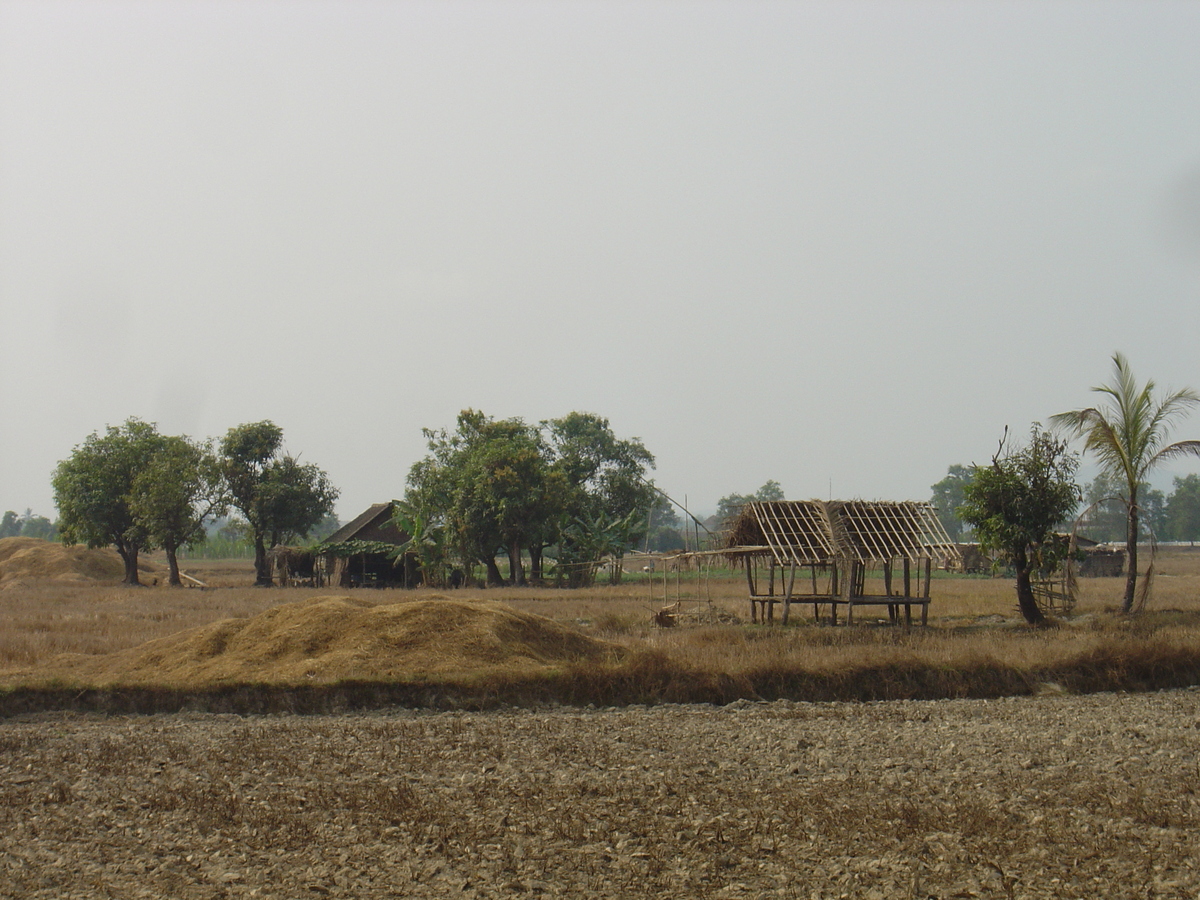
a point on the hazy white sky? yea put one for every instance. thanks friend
(840, 245)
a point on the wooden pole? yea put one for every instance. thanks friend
(750, 588)
(787, 599)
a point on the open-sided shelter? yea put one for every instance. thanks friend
(852, 553)
(365, 553)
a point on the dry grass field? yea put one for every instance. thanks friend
(975, 644)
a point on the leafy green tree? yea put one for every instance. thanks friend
(1015, 505)
(325, 527)
(728, 507)
(489, 485)
(428, 541)
(280, 498)
(1183, 510)
(1128, 436)
(948, 495)
(664, 529)
(172, 497)
(1154, 511)
(605, 486)
(1104, 516)
(93, 490)
(27, 525)
(585, 542)
(10, 525)
(502, 483)
(37, 527)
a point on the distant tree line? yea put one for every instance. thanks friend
(730, 506)
(136, 489)
(27, 525)
(1102, 512)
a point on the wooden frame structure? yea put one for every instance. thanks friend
(857, 553)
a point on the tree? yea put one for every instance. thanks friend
(1015, 505)
(664, 527)
(948, 495)
(488, 484)
(93, 490)
(730, 505)
(1128, 435)
(280, 498)
(37, 527)
(606, 488)
(1183, 510)
(10, 525)
(1104, 516)
(175, 493)
(495, 483)
(27, 525)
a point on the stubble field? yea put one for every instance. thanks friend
(1049, 794)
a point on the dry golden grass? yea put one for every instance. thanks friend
(975, 645)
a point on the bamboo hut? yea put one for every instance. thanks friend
(852, 554)
(365, 553)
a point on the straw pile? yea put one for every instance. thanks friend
(23, 558)
(332, 639)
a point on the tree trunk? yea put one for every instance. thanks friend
(1131, 554)
(262, 574)
(494, 578)
(535, 563)
(516, 567)
(173, 566)
(1025, 599)
(129, 556)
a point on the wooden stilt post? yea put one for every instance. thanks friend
(925, 605)
(750, 587)
(787, 599)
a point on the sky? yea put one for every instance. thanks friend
(839, 245)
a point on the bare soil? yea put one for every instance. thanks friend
(1050, 796)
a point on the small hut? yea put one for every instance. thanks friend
(291, 566)
(852, 553)
(365, 553)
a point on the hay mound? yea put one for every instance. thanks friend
(329, 639)
(27, 558)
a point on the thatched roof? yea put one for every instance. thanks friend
(808, 532)
(375, 524)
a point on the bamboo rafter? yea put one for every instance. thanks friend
(817, 532)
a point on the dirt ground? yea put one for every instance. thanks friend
(1050, 796)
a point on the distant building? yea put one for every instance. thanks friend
(365, 552)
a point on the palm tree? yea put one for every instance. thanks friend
(1128, 436)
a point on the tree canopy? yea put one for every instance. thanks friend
(1016, 503)
(948, 495)
(1127, 434)
(27, 525)
(94, 491)
(279, 497)
(177, 491)
(1183, 510)
(567, 483)
(730, 505)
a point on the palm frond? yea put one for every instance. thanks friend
(1175, 451)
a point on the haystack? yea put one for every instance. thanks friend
(331, 639)
(32, 558)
